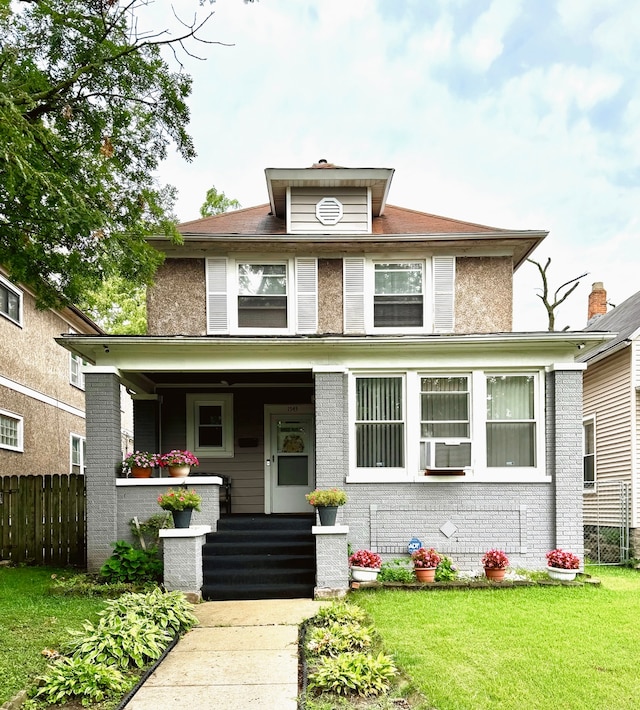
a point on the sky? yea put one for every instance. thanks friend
(518, 114)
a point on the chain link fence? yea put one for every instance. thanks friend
(607, 510)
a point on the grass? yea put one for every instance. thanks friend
(33, 620)
(532, 647)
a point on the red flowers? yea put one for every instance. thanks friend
(495, 559)
(365, 558)
(424, 558)
(563, 560)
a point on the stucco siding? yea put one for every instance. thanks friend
(330, 300)
(176, 301)
(484, 295)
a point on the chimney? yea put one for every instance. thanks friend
(597, 301)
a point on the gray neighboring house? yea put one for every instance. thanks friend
(327, 338)
(611, 416)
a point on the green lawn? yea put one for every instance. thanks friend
(32, 620)
(534, 647)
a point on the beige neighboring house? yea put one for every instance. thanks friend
(611, 430)
(42, 404)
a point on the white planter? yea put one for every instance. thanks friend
(562, 575)
(364, 574)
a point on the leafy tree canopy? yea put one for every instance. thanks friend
(88, 107)
(217, 202)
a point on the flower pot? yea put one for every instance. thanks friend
(364, 574)
(139, 472)
(425, 574)
(182, 518)
(495, 574)
(179, 471)
(562, 575)
(327, 514)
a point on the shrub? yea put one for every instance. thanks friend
(339, 638)
(127, 564)
(396, 571)
(446, 571)
(353, 674)
(73, 678)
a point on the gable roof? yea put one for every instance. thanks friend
(624, 320)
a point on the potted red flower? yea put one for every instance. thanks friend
(495, 563)
(425, 563)
(365, 565)
(562, 565)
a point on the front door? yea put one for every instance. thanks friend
(289, 469)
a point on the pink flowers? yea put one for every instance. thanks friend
(424, 558)
(563, 560)
(365, 558)
(495, 559)
(176, 457)
(179, 500)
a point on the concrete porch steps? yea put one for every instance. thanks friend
(259, 557)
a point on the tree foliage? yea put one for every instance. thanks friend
(117, 306)
(88, 108)
(560, 295)
(217, 202)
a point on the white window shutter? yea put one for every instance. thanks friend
(444, 271)
(217, 298)
(354, 295)
(307, 295)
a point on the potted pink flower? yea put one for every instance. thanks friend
(178, 462)
(495, 563)
(425, 562)
(562, 565)
(365, 565)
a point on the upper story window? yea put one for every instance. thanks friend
(398, 300)
(589, 453)
(76, 375)
(11, 431)
(511, 421)
(10, 301)
(262, 296)
(412, 296)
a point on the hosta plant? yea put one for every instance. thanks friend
(353, 674)
(339, 638)
(495, 559)
(340, 612)
(563, 560)
(365, 558)
(128, 564)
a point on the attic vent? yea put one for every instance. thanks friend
(329, 210)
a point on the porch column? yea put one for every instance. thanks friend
(104, 456)
(332, 445)
(332, 568)
(564, 451)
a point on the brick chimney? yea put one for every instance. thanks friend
(597, 301)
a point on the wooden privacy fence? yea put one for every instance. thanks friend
(42, 519)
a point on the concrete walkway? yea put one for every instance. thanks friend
(243, 654)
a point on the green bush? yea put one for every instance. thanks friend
(396, 571)
(79, 678)
(338, 638)
(127, 564)
(353, 674)
(446, 571)
(340, 612)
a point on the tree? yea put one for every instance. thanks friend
(217, 202)
(88, 107)
(558, 296)
(118, 306)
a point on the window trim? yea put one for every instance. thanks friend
(589, 420)
(20, 431)
(193, 402)
(479, 471)
(5, 283)
(76, 374)
(83, 453)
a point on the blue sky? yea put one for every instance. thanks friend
(510, 113)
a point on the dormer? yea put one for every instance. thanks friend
(327, 199)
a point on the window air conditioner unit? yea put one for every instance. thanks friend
(445, 456)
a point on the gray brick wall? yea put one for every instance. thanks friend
(102, 397)
(332, 572)
(332, 428)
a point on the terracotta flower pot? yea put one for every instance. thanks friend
(425, 574)
(139, 472)
(494, 574)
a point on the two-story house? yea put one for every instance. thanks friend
(42, 412)
(327, 338)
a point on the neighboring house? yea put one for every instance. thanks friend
(330, 339)
(611, 416)
(42, 413)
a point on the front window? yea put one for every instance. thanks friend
(379, 422)
(11, 431)
(445, 427)
(10, 302)
(589, 453)
(511, 425)
(398, 296)
(262, 295)
(210, 424)
(78, 454)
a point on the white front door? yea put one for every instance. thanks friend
(290, 461)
